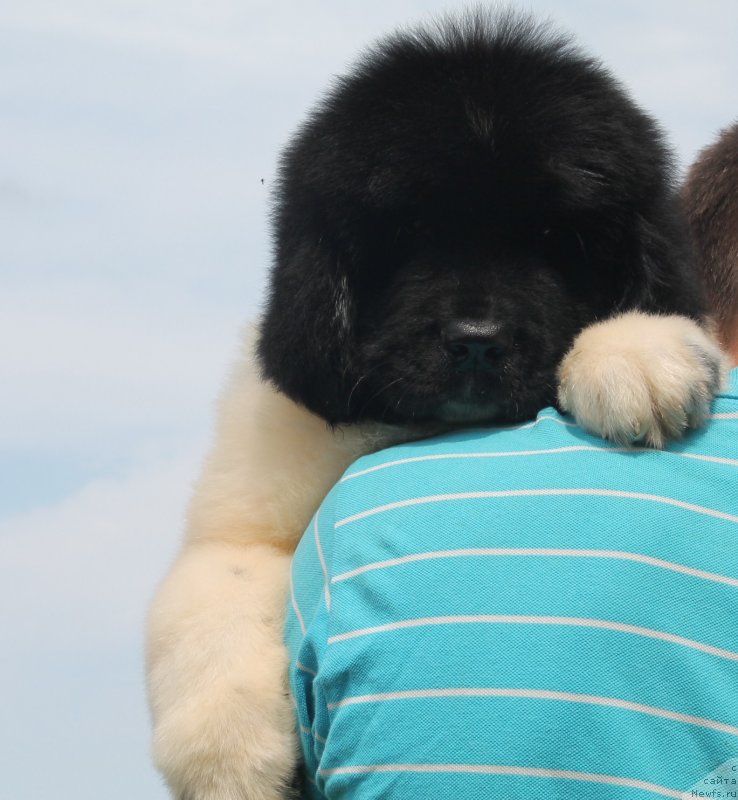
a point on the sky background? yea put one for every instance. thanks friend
(134, 137)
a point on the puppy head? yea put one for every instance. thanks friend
(452, 214)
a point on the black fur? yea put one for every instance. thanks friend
(480, 169)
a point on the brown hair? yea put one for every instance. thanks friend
(711, 200)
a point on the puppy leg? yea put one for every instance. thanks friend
(223, 721)
(641, 378)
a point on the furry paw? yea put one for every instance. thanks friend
(641, 378)
(207, 756)
(224, 726)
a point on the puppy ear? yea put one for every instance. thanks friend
(306, 337)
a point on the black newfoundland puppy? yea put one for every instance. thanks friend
(448, 220)
(452, 214)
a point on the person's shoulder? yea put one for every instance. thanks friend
(455, 463)
(717, 438)
(453, 448)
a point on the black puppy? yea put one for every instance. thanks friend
(452, 214)
(448, 219)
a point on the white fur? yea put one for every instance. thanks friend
(640, 378)
(223, 722)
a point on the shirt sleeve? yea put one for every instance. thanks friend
(306, 634)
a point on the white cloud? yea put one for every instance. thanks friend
(81, 573)
(75, 582)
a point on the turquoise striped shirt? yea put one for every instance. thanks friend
(523, 613)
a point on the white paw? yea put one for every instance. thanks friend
(641, 378)
(208, 752)
(224, 726)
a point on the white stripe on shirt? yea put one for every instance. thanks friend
(504, 769)
(537, 551)
(501, 454)
(440, 498)
(295, 607)
(527, 619)
(537, 694)
(322, 563)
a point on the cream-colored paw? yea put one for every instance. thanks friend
(212, 751)
(224, 726)
(641, 378)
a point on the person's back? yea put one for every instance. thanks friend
(522, 613)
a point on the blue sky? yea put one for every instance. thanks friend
(133, 247)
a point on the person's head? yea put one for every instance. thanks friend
(711, 201)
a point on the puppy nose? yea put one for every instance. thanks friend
(475, 344)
